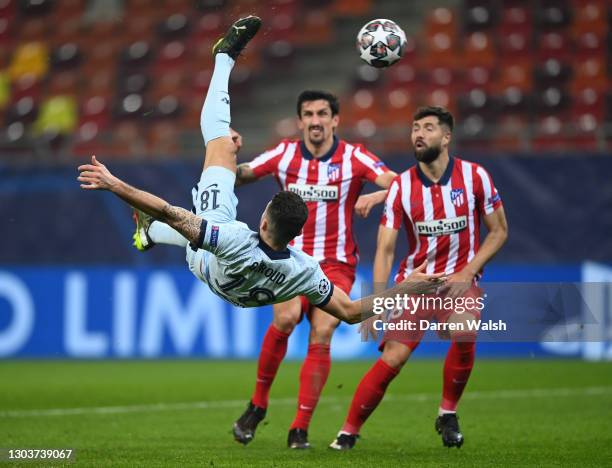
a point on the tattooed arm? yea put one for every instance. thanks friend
(184, 221)
(96, 176)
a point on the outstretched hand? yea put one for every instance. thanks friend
(365, 203)
(423, 282)
(458, 284)
(95, 176)
(367, 329)
(417, 282)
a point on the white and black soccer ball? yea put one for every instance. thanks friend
(381, 43)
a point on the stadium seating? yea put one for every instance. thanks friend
(317, 28)
(539, 69)
(441, 21)
(478, 15)
(141, 67)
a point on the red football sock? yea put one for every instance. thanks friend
(457, 368)
(368, 395)
(273, 350)
(313, 376)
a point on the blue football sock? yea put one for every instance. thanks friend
(215, 119)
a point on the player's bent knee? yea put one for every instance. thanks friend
(224, 143)
(221, 152)
(285, 325)
(286, 316)
(322, 327)
(461, 331)
(395, 354)
(321, 335)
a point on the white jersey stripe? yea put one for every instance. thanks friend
(469, 192)
(450, 212)
(347, 177)
(486, 188)
(318, 251)
(284, 164)
(389, 212)
(298, 242)
(428, 215)
(368, 161)
(265, 157)
(406, 194)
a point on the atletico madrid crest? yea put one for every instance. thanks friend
(457, 196)
(333, 172)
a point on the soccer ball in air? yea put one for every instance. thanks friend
(381, 43)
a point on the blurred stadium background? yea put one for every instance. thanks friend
(125, 78)
(528, 82)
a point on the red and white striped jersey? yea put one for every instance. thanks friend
(442, 219)
(329, 185)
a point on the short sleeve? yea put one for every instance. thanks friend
(487, 197)
(222, 239)
(392, 211)
(369, 165)
(319, 289)
(267, 163)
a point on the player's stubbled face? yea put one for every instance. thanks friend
(427, 136)
(317, 122)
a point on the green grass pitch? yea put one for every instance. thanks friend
(179, 413)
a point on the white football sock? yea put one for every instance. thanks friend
(161, 233)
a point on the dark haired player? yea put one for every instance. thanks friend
(329, 174)
(244, 267)
(441, 201)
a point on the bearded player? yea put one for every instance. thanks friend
(328, 173)
(441, 201)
